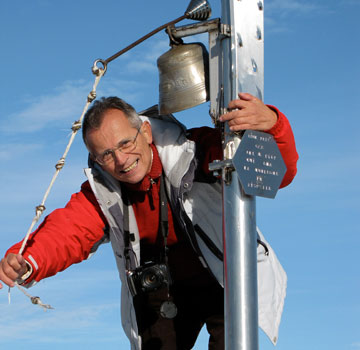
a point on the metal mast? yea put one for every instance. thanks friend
(236, 52)
(242, 57)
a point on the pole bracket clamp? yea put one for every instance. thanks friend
(225, 30)
(222, 167)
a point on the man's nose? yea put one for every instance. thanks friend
(120, 158)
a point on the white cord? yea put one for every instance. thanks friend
(59, 165)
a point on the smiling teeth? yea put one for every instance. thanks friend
(132, 166)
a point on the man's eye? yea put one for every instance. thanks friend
(126, 144)
(106, 154)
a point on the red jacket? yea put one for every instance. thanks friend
(68, 235)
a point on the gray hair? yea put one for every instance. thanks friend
(95, 114)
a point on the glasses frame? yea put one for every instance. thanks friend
(118, 148)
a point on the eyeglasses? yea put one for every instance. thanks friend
(126, 146)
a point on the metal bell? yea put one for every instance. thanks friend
(183, 80)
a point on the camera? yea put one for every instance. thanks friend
(148, 277)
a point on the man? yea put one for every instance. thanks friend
(150, 193)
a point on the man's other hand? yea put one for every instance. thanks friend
(249, 113)
(12, 267)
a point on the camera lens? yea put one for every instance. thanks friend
(151, 279)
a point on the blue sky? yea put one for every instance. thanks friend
(311, 74)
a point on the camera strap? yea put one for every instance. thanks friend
(164, 220)
(167, 309)
(129, 263)
(163, 225)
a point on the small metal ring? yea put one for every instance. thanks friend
(95, 69)
(173, 40)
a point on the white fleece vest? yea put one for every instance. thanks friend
(200, 203)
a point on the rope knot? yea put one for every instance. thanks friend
(76, 126)
(39, 209)
(35, 300)
(60, 164)
(92, 96)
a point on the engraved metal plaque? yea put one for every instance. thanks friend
(259, 164)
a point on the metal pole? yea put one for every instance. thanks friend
(242, 70)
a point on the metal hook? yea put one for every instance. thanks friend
(96, 70)
(173, 40)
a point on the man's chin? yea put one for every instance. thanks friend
(130, 178)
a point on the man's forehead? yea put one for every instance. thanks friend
(114, 128)
(115, 115)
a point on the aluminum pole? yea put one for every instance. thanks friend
(242, 71)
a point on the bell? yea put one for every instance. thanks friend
(183, 80)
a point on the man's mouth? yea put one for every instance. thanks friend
(132, 166)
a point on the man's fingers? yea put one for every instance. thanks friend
(246, 96)
(16, 261)
(227, 116)
(5, 278)
(241, 124)
(22, 264)
(7, 281)
(237, 104)
(9, 272)
(11, 268)
(242, 101)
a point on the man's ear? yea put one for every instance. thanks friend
(147, 132)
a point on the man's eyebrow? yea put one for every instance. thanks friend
(118, 144)
(124, 140)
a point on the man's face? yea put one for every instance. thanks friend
(114, 130)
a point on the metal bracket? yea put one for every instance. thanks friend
(224, 168)
(225, 30)
(194, 28)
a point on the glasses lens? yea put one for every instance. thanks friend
(129, 145)
(106, 157)
(126, 147)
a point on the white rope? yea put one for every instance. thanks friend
(35, 300)
(60, 164)
(99, 72)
